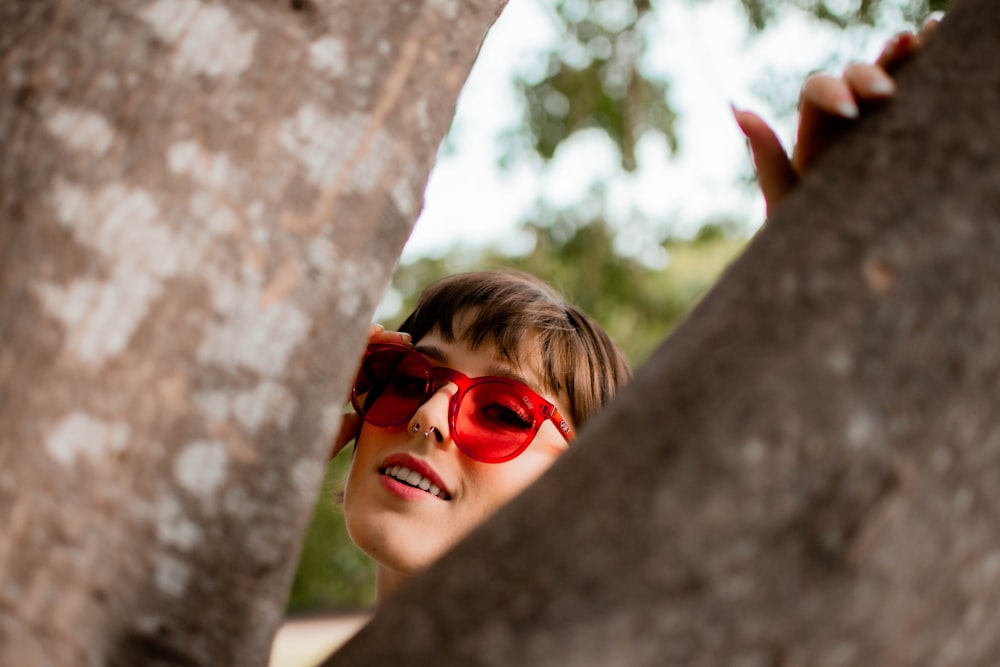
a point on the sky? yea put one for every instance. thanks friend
(711, 61)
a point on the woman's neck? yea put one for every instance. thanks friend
(387, 581)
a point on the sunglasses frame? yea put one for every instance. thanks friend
(439, 376)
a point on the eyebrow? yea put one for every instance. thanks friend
(495, 369)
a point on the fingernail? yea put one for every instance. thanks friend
(738, 116)
(404, 337)
(891, 46)
(882, 84)
(848, 109)
(377, 328)
(907, 41)
(900, 45)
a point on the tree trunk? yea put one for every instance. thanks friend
(806, 473)
(201, 204)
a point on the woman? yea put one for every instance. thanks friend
(500, 373)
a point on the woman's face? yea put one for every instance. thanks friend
(405, 528)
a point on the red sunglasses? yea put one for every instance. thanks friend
(492, 419)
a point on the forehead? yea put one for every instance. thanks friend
(483, 358)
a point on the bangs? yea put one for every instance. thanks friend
(529, 326)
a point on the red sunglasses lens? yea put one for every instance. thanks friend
(495, 421)
(390, 387)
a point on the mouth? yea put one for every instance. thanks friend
(414, 479)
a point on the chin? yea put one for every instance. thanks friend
(393, 542)
(400, 556)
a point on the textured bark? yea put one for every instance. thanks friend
(806, 473)
(200, 205)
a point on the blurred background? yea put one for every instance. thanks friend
(594, 147)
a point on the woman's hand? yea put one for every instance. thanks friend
(350, 423)
(828, 104)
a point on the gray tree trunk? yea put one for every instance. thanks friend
(201, 202)
(807, 472)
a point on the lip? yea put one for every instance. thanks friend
(416, 465)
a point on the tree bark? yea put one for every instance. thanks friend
(806, 473)
(201, 202)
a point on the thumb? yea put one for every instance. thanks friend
(775, 173)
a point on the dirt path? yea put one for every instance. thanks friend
(305, 642)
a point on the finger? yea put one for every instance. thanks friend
(378, 334)
(400, 337)
(930, 25)
(350, 427)
(829, 95)
(826, 109)
(869, 82)
(774, 170)
(898, 50)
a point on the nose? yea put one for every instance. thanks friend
(432, 415)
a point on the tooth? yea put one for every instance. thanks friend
(434, 490)
(413, 478)
(424, 484)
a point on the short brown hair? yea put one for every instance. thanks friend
(512, 310)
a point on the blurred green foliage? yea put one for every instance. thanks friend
(637, 303)
(591, 78)
(842, 13)
(332, 574)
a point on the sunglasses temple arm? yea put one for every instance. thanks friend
(562, 425)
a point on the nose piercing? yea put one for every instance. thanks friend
(416, 428)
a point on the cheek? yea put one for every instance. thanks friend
(366, 446)
(362, 460)
(499, 483)
(357, 492)
(534, 467)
